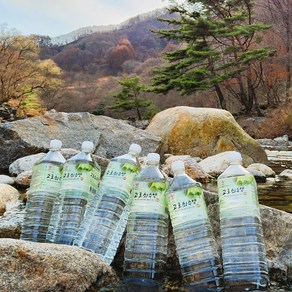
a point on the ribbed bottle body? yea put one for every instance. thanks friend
(195, 243)
(147, 232)
(80, 180)
(117, 234)
(243, 251)
(105, 222)
(44, 187)
(98, 235)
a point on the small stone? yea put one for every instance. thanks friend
(264, 169)
(286, 173)
(24, 178)
(2, 209)
(8, 194)
(5, 179)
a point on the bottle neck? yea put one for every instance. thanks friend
(235, 162)
(179, 173)
(153, 163)
(135, 154)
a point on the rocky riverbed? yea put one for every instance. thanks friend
(201, 138)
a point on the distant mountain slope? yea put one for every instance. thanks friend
(105, 51)
(81, 32)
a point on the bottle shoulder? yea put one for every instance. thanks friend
(150, 173)
(81, 156)
(52, 156)
(126, 158)
(234, 170)
(182, 182)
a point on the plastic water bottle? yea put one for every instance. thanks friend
(80, 180)
(147, 229)
(44, 187)
(105, 221)
(195, 243)
(243, 251)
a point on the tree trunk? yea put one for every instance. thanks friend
(243, 96)
(220, 96)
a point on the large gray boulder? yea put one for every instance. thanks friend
(29, 266)
(111, 137)
(203, 132)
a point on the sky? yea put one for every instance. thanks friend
(58, 17)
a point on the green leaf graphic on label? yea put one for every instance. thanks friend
(84, 167)
(61, 170)
(129, 167)
(194, 192)
(158, 186)
(244, 180)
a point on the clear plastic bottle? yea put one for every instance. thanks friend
(147, 229)
(195, 243)
(243, 251)
(80, 180)
(44, 187)
(105, 221)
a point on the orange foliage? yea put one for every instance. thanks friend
(274, 73)
(122, 52)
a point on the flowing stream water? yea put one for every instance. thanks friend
(277, 192)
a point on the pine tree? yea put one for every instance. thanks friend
(130, 96)
(219, 45)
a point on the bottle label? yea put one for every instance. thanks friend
(46, 177)
(187, 205)
(238, 193)
(120, 175)
(149, 197)
(83, 177)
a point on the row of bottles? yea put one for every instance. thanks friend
(68, 202)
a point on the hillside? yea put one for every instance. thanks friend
(92, 63)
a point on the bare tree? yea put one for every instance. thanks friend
(22, 73)
(279, 14)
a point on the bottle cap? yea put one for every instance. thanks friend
(153, 157)
(178, 165)
(55, 145)
(136, 148)
(87, 146)
(234, 156)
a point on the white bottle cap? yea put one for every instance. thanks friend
(87, 146)
(55, 145)
(234, 156)
(136, 148)
(153, 157)
(178, 165)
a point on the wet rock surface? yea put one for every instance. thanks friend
(28, 266)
